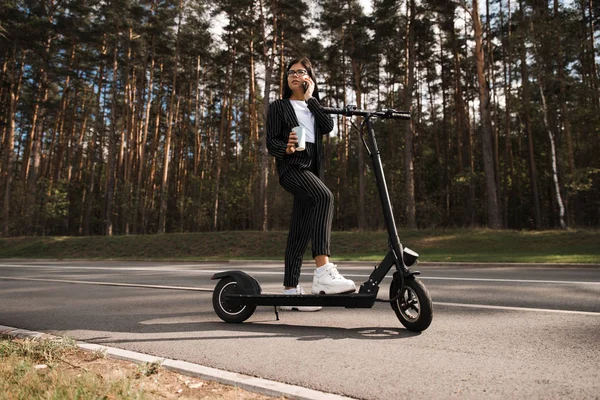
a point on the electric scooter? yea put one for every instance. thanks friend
(237, 294)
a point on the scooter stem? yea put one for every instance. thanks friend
(388, 214)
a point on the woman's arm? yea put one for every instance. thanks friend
(275, 145)
(324, 121)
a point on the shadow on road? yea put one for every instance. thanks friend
(257, 330)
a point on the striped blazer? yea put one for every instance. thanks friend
(281, 118)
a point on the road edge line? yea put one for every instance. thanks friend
(253, 384)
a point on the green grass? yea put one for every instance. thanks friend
(455, 245)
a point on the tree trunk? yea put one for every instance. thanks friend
(223, 135)
(472, 187)
(14, 94)
(164, 192)
(111, 162)
(458, 101)
(564, 111)
(269, 62)
(346, 133)
(253, 140)
(561, 208)
(494, 221)
(444, 164)
(98, 132)
(409, 177)
(357, 76)
(4, 95)
(142, 145)
(148, 208)
(198, 114)
(362, 220)
(591, 44)
(34, 141)
(563, 100)
(77, 204)
(509, 168)
(128, 140)
(58, 131)
(526, 97)
(495, 115)
(282, 65)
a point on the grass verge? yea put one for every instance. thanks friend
(456, 245)
(58, 369)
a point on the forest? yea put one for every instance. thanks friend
(126, 117)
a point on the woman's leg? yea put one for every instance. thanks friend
(312, 217)
(321, 260)
(297, 241)
(322, 221)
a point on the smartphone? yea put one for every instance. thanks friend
(305, 86)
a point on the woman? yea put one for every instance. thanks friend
(300, 173)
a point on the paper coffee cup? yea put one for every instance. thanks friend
(301, 133)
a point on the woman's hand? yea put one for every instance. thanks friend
(291, 146)
(311, 88)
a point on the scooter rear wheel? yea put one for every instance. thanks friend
(230, 310)
(413, 306)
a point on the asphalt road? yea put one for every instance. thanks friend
(497, 332)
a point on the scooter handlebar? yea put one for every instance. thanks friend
(352, 110)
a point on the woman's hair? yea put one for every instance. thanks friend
(287, 92)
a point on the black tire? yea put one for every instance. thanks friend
(230, 310)
(413, 307)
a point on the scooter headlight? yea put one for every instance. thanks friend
(410, 257)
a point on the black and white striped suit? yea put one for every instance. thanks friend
(300, 173)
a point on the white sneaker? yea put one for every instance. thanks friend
(298, 290)
(328, 280)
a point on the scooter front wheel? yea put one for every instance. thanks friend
(230, 310)
(413, 306)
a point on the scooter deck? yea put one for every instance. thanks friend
(351, 300)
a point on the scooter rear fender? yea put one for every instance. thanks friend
(246, 283)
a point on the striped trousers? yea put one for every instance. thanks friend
(312, 216)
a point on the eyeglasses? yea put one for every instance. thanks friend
(299, 72)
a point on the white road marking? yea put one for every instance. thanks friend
(280, 273)
(490, 307)
(119, 268)
(196, 289)
(444, 278)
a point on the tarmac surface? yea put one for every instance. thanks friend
(498, 331)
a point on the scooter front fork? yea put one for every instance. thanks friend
(371, 286)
